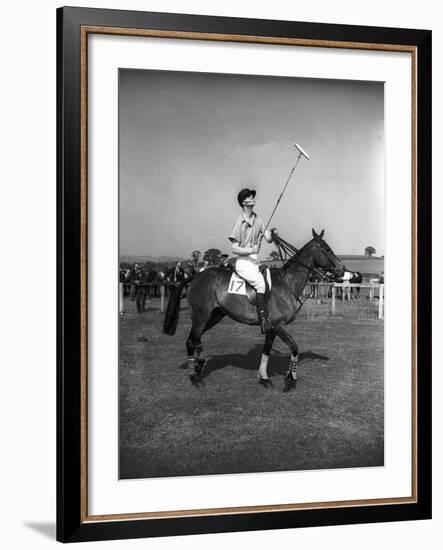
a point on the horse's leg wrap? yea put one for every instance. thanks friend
(199, 350)
(196, 368)
(291, 374)
(190, 347)
(199, 364)
(293, 364)
(193, 343)
(263, 369)
(267, 348)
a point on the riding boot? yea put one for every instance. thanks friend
(262, 312)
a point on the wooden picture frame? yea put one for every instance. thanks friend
(74, 523)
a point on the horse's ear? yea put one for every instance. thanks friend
(314, 234)
(322, 233)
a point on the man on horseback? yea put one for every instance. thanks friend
(245, 237)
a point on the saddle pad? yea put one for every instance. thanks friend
(237, 285)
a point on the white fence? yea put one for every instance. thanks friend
(319, 290)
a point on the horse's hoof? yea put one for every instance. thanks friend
(289, 383)
(266, 382)
(195, 379)
(199, 366)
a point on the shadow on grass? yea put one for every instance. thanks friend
(278, 361)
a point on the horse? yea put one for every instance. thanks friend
(153, 278)
(356, 277)
(209, 301)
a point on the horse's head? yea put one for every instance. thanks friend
(324, 257)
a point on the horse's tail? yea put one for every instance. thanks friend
(173, 309)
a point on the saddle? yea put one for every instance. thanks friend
(238, 285)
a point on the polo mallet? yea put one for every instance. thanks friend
(301, 153)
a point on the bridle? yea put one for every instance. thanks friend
(289, 255)
(285, 250)
(327, 261)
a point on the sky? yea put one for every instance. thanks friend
(188, 142)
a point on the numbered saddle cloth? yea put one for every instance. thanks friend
(238, 285)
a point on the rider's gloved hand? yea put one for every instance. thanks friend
(274, 233)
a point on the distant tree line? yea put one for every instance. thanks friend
(211, 257)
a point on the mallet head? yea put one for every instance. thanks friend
(302, 151)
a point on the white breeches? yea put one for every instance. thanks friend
(249, 270)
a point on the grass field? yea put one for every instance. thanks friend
(231, 424)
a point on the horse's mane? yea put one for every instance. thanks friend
(297, 255)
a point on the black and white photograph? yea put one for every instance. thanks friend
(218, 256)
(251, 273)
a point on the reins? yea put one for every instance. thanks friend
(288, 255)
